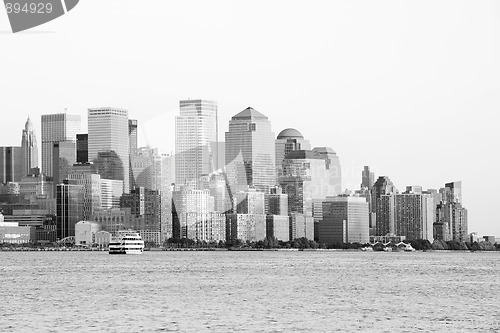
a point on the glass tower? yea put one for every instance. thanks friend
(108, 143)
(250, 149)
(195, 134)
(55, 128)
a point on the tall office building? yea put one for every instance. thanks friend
(132, 135)
(55, 128)
(82, 148)
(91, 184)
(289, 139)
(69, 200)
(383, 205)
(250, 149)
(345, 220)
(146, 205)
(29, 147)
(64, 156)
(451, 216)
(196, 131)
(108, 143)
(367, 178)
(11, 164)
(414, 214)
(192, 214)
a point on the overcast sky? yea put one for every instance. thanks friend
(408, 87)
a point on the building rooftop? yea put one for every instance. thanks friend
(290, 133)
(249, 113)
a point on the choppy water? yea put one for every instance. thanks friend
(249, 292)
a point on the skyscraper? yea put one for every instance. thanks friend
(29, 147)
(289, 139)
(109, 143)
(250, 148)
(11, 164)
(383, 205)
(367, 178)
(451, 216)
(69, 199)
(414, 214)
(82, 148)
(64, 156)
(132, 135)
(55, 128)
(195, 133)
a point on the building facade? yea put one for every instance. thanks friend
(196, 131)
(29, 148)
(250, 151)
(55, 128)
(11, 164)
(108, 143)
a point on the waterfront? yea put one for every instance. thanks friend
(249, 291)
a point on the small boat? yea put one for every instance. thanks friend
(126, 242)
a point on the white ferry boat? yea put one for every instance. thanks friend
(126, 242)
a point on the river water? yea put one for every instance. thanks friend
(249, 292)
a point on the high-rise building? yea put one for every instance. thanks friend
(289, 139)
(192, 213)
(69, 208)
(82, 148)
(451, 216)
(250, 149)
(332, 165)
(414, 214)
(367, 178)
(196, 132)
(55, 128)
(64, 156)
(345, 220)
(383, 205)
(145, 203)
(108, 143)
(111, 191)
(132, 135)
(11, 164)
(29, 147)
(91, 184)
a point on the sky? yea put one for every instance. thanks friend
(409, 88)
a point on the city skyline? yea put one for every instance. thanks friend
(406, 88)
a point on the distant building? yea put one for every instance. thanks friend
(192, 214)
(34, 186)
(196, 131)
(55, 128)
(289, 139)
(13, 234)
(69, 208)
(108, 143)
(414, 214)
(383, 205)
(367, 178)
(92, 187)
(145, 204)
(11, 164)
(451, 213)
(132, 136)
(111, 192)
(82, 148)
(250, 151)
(85, 232)
(278, 226)
(345, 220)
(29, 148)
(64, 156)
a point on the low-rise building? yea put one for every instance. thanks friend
(85, 232)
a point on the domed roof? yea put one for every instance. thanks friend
(289, 133)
